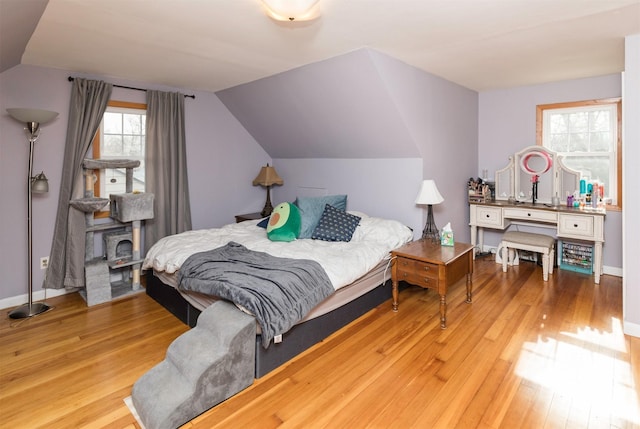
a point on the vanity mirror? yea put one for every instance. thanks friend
(536, 164)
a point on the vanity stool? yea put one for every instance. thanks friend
(539, 243)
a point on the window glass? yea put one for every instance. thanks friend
(586, 134)
(121, 136)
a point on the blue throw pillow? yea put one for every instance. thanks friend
(311, 209)
(335, 225)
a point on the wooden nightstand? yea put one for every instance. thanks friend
(428, 265)
(248, 216)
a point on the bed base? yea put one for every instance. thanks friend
(295, 341)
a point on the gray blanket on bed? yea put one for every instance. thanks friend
(277, 291)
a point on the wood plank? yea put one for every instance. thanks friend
(512, 358)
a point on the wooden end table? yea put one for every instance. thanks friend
(248, 216)
(430, 265)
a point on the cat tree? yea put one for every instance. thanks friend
(121, 236)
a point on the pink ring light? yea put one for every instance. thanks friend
(524, 162)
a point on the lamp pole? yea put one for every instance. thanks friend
(30, 309)
(33, 118)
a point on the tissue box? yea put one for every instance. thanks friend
(446, 238)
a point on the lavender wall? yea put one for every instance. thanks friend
(336, 108)
(378, 187)
(442, 119)
(373, 115)
(507, 124)
(223, 160)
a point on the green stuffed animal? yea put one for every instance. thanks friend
(284, 223)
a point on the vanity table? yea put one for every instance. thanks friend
(518, 202)
(571, 223)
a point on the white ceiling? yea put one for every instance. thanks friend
(216, 44)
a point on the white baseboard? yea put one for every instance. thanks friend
(632, 329)
(612, 271)
(14, 301)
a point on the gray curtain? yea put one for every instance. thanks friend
(89, 100)
(166, 166)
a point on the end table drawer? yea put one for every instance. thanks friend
(417, 273)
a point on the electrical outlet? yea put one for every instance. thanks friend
(44, 262)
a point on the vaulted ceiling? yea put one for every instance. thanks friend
(213, 45)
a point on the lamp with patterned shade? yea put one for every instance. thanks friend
(267, 177)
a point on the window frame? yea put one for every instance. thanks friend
(96, 147)
(617, 101)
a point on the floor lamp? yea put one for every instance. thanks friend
(38, 184)
(430, 195)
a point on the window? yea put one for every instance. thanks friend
(121, 136)
(588, 135)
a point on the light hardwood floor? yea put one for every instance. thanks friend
(524, 354)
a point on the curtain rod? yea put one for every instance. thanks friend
(71, 79)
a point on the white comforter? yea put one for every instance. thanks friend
(344, 262)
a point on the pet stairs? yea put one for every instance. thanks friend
(203, 367)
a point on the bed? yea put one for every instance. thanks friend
(273, 289)
(358, 269)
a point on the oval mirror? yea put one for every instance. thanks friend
(535, 162)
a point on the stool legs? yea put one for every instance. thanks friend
(505, 257)
(545, 266)
(547, 260)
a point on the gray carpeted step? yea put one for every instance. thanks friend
(203, 367)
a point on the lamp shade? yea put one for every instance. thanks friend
(32, 115)
(291, 10)
(268, 176)
(429, 193)
(39, 184)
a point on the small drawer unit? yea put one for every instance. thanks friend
(576, 225)
(531, 215)
(577, 257)
(487, 216)
(423, 274)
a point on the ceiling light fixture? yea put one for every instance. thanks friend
(292, 10)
